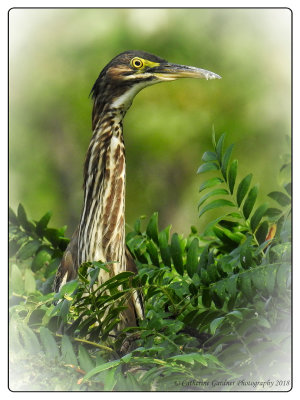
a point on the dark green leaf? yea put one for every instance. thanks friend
(281, 198)
(232, 175)
(152, 251)
(209, 156)
(194, 230)
(67, 351)
(101, 265)
(110, 379)
(225, 161)
(17, 282)
(192, 258)
(22, 213)
(42, 224)
(246, 257)
(264, 323)
(228, 224)
(189, 317)
(215, 192)
(49, 343)
(94, 273)
(22, 217)
(273, 213)
(52, 267)
(258, 278)
(164, 248)
(196, 279)
(62, 230)
(42, 257)
(243, 189)
(216, 204)
(188, 358)
(283, 273)
(205, 280)
(209, 166)
(219, 146)
(217, 299)
(206, 298)
(279, 225)
(85, 361)
(67, 289)
(13, 219)
(215, 324)
(131, 383)
(227, 236)
(212, 272)
(63, 243)
(30, 340)
(236, 314)
(257, 216)
(29, 281)
(116, 280)
(214, 360)
(271, 279)
(200, 359)
(246, 287)
(193, 289)
(100, 368)
(262, 232)
(14, 335)
(29, 249)
(137, 225)
(230, 285)
(14, 246)
(222, 236)
(64, 307)
(52, 235)
(210, 182)
(250, 201)
(203, 258)
(167, 231)
(234, 215)
(204, 318)
(176, 254)
(126, 358)
(152, 228)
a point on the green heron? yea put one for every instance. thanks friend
(101, 231)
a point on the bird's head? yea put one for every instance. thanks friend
(131, 71)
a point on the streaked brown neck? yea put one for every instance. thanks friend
(102, 225)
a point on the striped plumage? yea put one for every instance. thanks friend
(101, 231)
(101, 228)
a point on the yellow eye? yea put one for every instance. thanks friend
(137, 63)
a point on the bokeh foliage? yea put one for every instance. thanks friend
(55, 57)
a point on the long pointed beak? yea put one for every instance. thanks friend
(169, 72)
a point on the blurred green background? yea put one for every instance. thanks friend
(57, 54)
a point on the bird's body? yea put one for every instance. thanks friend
(101, 231)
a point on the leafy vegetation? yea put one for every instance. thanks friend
(217, 304)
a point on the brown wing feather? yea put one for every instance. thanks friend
(68, 267)
(137, 302)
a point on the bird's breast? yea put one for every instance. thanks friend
(102, 233)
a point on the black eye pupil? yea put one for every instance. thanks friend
(137, 63)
